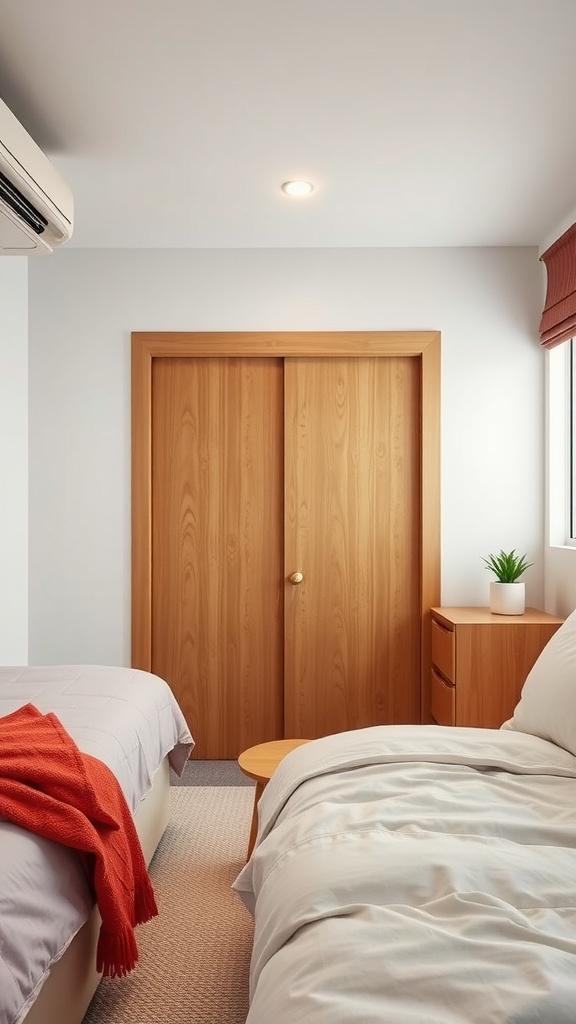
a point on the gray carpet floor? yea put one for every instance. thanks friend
(211, 773)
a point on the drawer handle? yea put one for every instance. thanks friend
(444, 629)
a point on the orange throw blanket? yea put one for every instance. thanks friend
(48, 786)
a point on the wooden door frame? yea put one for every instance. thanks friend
(147, 346)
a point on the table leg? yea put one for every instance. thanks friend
(259, 789)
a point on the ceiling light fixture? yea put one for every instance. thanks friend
(297, 188)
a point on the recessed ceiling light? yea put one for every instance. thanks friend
(297, 188)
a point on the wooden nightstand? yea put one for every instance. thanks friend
(259, 763)
(480, 661)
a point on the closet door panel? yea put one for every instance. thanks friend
(217, 548)
(352, 528)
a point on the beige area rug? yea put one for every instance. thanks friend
(194, 957)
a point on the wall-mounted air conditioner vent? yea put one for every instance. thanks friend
(36, 204)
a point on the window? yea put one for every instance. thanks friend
(558, 336)
(571, 424)
(561, 445)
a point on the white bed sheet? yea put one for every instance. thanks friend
(416, 873)
(125, 717)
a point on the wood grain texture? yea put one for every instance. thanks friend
(352, 528)
(443, 648)
(491, 656)
(149, 350)
(217, 509)
(430, 383)
(260, 762)
(171, 344)
(443, 700)
(451, 616)
(493, 662)
(141, 541)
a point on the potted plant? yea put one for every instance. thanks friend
(507, 594)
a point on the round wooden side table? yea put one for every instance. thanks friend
(259, 763)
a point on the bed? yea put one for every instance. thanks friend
(423, 873)
(49, 925)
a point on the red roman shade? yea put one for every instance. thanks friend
(558, 321)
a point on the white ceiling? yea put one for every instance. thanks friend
(422, 122)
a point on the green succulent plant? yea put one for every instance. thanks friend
(507, 566)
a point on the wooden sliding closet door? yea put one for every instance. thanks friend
(285, 529)
(217, 549)
(352, 529)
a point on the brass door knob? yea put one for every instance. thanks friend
(296, 578)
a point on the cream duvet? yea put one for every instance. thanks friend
(416, 874)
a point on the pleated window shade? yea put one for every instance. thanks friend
(558, 321)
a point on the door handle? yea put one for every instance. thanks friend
(296, 578)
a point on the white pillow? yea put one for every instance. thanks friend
(547, 705)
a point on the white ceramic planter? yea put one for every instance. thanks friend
(507, 598)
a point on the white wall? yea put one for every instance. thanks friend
(83, 306)
(13, 461)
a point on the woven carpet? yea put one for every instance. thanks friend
(194, 957)
(211, 773)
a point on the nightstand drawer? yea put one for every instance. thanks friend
(443, 655)
(443, 700)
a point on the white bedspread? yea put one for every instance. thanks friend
(130, 720)
(416, 874)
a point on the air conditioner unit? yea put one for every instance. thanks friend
(36, 204)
